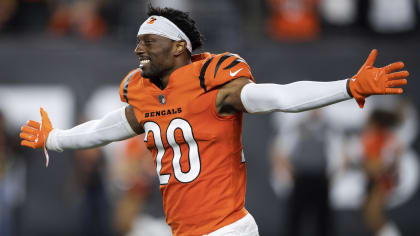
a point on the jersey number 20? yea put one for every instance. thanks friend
(193, 155)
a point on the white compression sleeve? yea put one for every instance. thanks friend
(112, 127)
(294, 97)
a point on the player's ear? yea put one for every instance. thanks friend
(180, 47)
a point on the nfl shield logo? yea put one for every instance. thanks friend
(162, 99)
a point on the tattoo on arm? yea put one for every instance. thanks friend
(132, 120)
(228, 100)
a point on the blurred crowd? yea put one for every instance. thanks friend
(304, 20)
(88, 19)
(313, 154)
(12, 180)
(284, 19)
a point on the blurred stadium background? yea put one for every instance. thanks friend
(69, 56)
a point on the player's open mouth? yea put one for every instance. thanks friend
(144, 62)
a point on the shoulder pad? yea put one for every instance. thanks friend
(222, 68)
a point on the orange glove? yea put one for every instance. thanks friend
(35, 135)
(371, 80)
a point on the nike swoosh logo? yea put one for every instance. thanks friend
(234, 73)
(353, 79)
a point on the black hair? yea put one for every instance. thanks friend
(182, 20)
(384, 119)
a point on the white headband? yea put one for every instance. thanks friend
(160, 25)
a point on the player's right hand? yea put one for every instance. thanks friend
(372, 80)
(34, 134)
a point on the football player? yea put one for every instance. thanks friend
(190, 108)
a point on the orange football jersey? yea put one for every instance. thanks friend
(374, 142)
(197, 153)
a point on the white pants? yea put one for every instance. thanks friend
(246, 226)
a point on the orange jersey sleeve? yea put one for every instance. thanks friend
(375, 142)
(222, 68)
(127, 82)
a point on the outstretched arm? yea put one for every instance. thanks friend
(243, 95)
(117, 125)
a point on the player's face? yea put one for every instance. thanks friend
(155, 55)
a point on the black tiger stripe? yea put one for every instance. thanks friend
(203, 72)
(221, 60)
(234, 63)
(125, 90)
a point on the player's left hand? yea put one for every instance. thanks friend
(372, 80)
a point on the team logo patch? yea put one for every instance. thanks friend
(151, 20)
(162, 99)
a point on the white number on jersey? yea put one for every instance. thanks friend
(193, 154)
